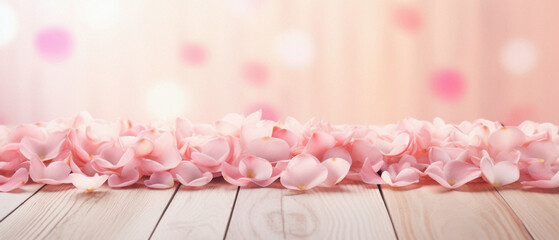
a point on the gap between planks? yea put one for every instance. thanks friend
(349, 211)
(531, 212)
(387, 210)
(474, 211)
(201, 213)
(164, 210)
(13, 200)
(231, 214)
(538, 209)
(62, 211)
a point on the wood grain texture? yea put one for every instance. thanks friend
(257, 214)
(12, 200)
(474, 211)
(63, 212)
(198, 213)
(349, 211)
(537, 208)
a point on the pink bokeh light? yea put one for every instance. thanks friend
(407, 18)
(255, 73)
(448, 84)
(194, 54)
(54, 43)
(368, 63)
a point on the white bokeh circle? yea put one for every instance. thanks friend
(101, 14)
(294, 48)
(167, 100)
(519, 56)
(8, 24)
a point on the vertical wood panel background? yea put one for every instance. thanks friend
(367, 65)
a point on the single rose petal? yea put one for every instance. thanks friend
(435, 171)
(551, 183)
(10, 157)
(288, 136)
(402, 178)
(160, 180)
(112, 158)
(371, 166)
(338, 152)
(411, 161)
(546, 151)
(460, 172)
(506, 139)
(128, 176)
(164, 155)
(251, 170)
(255, 168)
(45, 149)
(386, 178)
(540, 171)
(189, 174)
(18, 179)
(499, 174)
(55, 173)
(232, 175)
(276, 172)
(398, 145)
(270, 148)
(168, 158)
(143, 147)
(453, 174)
(337, 170)
(406, 177)
(216, 148)
(319, 143)
(487, 168)
(205, 162)
(303, 172)
(86, 183)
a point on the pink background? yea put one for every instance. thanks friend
(345, 62)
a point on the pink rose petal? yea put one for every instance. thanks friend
(18, 179)
(303, 172)
(160, 180)
(189, 175)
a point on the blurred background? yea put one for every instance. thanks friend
(356, 62)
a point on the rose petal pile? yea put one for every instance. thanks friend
(250, 152)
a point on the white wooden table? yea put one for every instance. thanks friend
(223, 211)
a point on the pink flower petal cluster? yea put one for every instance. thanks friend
(248, 151)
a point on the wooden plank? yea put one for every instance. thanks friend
(349, 211)
(474, 211)
(537, 208)
(198, 213)
(257, 214)
(12, 200)
(63, 212)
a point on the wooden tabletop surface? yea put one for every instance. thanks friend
(222, 211)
